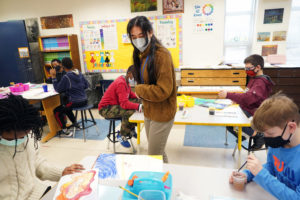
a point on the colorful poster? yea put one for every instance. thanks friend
(108, 36)
(166, 32)
(91, 37)
(203, 18)
(279, 36)
(269, 50)
(173, 6)
(143, 5)
(59, 21)
(263, 36)
(273, 16)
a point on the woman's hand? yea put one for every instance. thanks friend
(72, 169)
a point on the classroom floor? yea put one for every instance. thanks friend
(66, 151)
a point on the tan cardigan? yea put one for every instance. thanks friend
(159, 100)
(21, 177)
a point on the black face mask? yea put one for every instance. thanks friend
(57, 68)
(276, 142)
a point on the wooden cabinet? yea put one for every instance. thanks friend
(58, 47)
(210, 77)
(286, 80)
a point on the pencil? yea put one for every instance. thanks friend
(131, 193)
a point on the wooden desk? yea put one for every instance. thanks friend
(207, 92)
(230, 116)
(199, 182)
(50, 101)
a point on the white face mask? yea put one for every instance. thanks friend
(13, 142)
(131, 81)
(139, 43)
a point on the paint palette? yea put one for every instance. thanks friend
(148, 181)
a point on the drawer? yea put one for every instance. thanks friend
(213, 73)
(287, 81)
(213, 81)
(282, 72)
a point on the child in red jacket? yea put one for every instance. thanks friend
(258, 89)
(120, 101)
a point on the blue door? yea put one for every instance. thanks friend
(12, 67)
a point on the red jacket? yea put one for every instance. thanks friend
(258, 89)
(119, 93)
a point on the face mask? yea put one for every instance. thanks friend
(139, 43)
(276, 142)
(131, 81)
(13, 142)
(251, 73)
(57, 68)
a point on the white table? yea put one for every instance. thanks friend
(197, 115)
(199, 182)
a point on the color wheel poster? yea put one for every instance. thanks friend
(203, 17)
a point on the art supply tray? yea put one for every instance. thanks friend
(148, 181)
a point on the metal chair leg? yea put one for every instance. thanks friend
(82, 122)
(235, 148)
(226, 137)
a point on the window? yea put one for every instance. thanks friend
(293, 39)
(239, 23)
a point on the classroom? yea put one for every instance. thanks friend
(150, 99)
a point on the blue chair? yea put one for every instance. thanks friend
(84, 119)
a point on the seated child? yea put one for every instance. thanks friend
(279, 119)
(120, 101)
(258, 89)
(23, 169)
(73, 84)
(60, 72)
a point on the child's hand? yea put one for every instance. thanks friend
(52, 72)
(72, 169)
(254, 165)
(235, 173)
(222, 94)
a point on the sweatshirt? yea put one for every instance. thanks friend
(73, 84)
(280, 176)
(119, 93)
(258, 89)
(22, 177)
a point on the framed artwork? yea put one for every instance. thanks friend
(263, 36)
(273, 16)
(58, 21)
(279, 36)
(173, 6)
(143, 5)
(269, 50)
(23, 52)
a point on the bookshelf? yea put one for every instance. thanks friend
(58, 46)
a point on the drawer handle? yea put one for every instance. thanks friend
(236, 73)
(190, 73)
(190, 81)
(235, 81)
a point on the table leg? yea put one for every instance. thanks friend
(49, 105)
(240, 138)
(138, 133)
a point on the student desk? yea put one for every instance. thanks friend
(208, 92)
(197, 115)
(50, 101)
(199, 182)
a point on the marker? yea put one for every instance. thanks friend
(165, 177)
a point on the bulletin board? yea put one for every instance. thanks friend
(107, 48)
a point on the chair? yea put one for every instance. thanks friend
(84, 119)
(112, 136)
(104, 84)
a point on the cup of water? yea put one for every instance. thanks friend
(152, 195)
(45, 88)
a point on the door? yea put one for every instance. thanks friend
(12, 67)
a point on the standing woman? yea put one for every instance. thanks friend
(156, 83)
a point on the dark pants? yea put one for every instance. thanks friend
(62, 111)
(248, 130)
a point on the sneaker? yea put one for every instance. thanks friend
(133, 133)
(258, 141)
(66, 132)
(123, 141)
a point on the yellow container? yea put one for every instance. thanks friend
(187, 100)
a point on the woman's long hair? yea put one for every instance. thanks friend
(145, 25)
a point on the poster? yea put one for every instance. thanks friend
(23, 52)
(273, 16)
(203, 18)
(108, 36)
(91, 37)
(59, 21)
(279, 36)
(166, 32)
(269, 50)
(173, 6)
(143, 5)
(263, 36)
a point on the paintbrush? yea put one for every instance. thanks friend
(242, 166)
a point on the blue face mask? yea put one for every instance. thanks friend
(13, 142)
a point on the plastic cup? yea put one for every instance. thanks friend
(239, 180)
(45, 88)
(26, 87)
(181, 106)
(152, 195)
